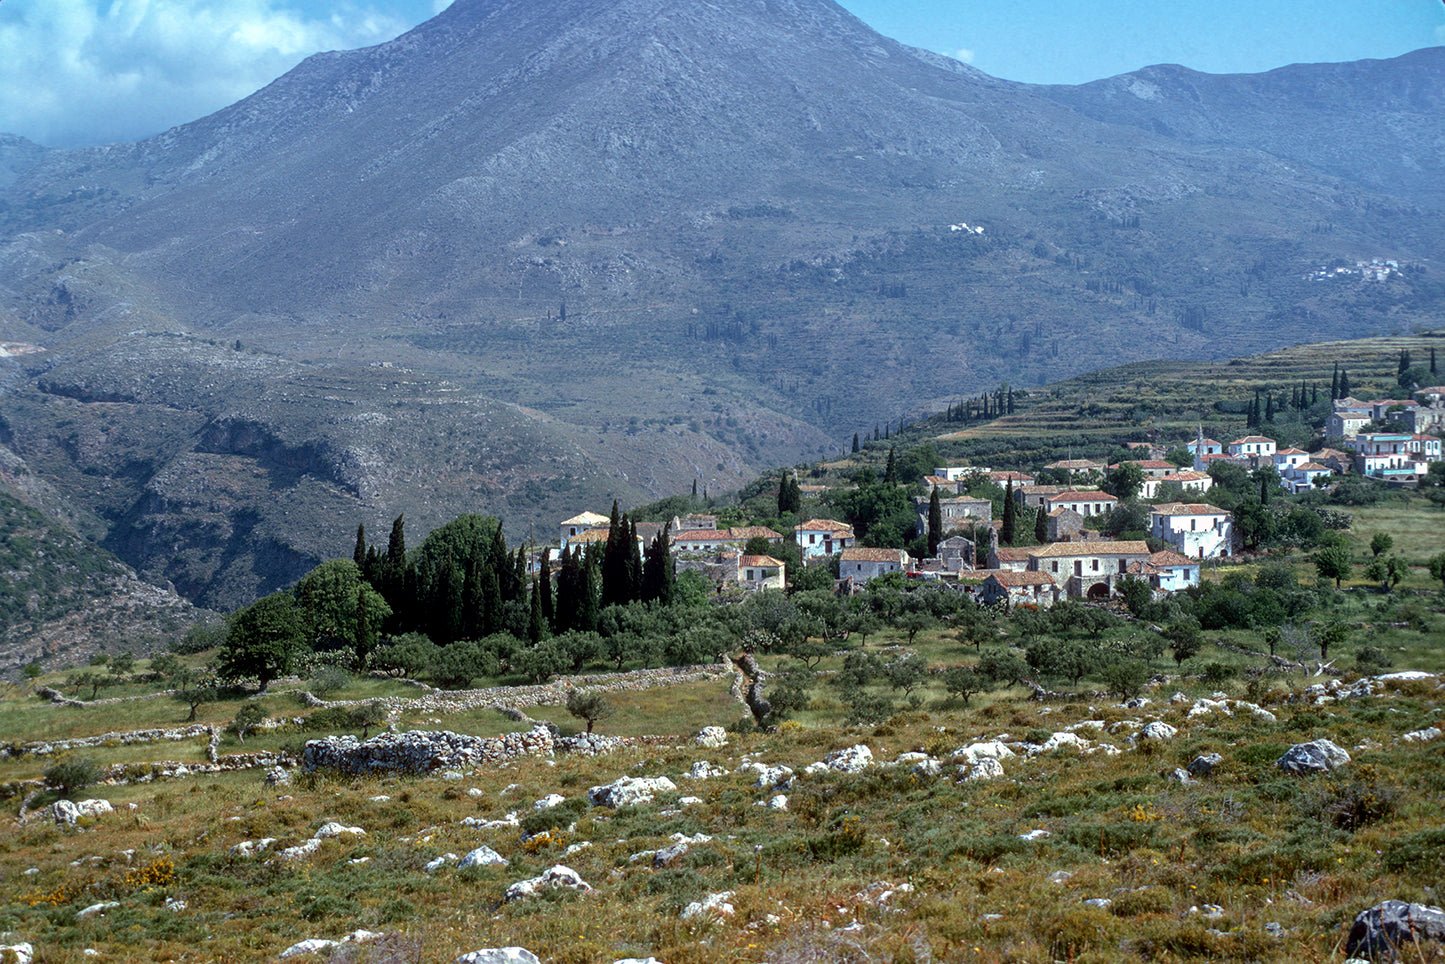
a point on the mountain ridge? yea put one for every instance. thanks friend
(530, 255)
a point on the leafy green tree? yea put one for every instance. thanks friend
(194, 688)
(1041, 526)
(95, 681)
(331, 598)
(1180, 456)
(69, 774)
(1331, 634)
(1437, 568)
(962, 682)
(1381, 542)
(247, 718)
(590, 705)
(1334, 562)
(914, 622)
(1387, 571)
(368, 714)
(1002, 666)
(33, 670)
(409, 655)
(1124, 481)
(790, 495)
(1062, 658)
(1138, 596)
(906, 672)
(790, 691)
(1185, 641)
(264, 640)
(1125, 677)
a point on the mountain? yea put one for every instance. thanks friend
(533, 256)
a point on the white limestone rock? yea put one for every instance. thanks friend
(713, 905)
(853, 759)
(1159, 731)
(312, 945)
(22, 953)
(549, 801)
(499, 955)
(334, 829)
(1317, 756)
(555, 876)
(711, 738)
(483, 857)
(987, 768)
(629, 791)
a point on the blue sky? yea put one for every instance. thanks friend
(76, 72)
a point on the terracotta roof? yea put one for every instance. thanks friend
(1149, 463)
(1075, 464)
(1040, 489)
(1206, 441)
(590, 535)
(1006, 578)
(865, 554)
(1143, 569)
(1181, 508)
(1252, 438)
(1291, 451)
(1132, 547)
(766, 562)
(1312, 467)
(1078, 495)
(1168, 557)
(1010, 554)
(1188, 476)
(823, 525)
(1006, 476)
(754, 532)
(703, 535)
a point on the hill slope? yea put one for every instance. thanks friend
(621, 247)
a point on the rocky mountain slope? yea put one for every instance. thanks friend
(606, 250)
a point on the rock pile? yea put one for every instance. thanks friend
(422, 751)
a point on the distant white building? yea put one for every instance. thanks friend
(863, 564)
(822, 537)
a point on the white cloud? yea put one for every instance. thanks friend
(963, 54)
(78, 72)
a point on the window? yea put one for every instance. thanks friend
(1056, 565)
(1096, 565)
(750, 575)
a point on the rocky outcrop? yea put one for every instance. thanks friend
(1318, 756)
(1382, 931)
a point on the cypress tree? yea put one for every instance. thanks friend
(634, 562)
(536, 625)
(1315, 394)
(394, 575)
(935, 523)
(875, 431)
(1404, 361)
(473, 621)
(614, 560)
(363, 629)
(1010, 401)
(1269, 407)
(1432, 361)
(890, 472)
(856, 447)
(1335, 382)
(1010, 516)
(1344, 384)
(358, 555)
(587, 595)
(566, 603)
(492, 620)
(1041, 526)
(544, 583)
(694, 488)
(657, 569)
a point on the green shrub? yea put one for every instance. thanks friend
(71, 774)
(1420, 854)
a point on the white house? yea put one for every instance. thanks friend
(862, 564)
(1085, 503)
(579, 524)
(1301, 478)
(1289, 458)
(1187, 480)
(1199, 531)
(823, 537)
(1255, 449)
(1168, 571)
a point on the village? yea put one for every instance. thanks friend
(1385, 440)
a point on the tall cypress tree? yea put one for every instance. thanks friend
(394, 576)
(1041, 526)
(935, 523)
(657, 569)
(536, 625)
(1335, 382)
(358, 555)
(363, 630)
(1010, 516)
(890, 472)
(1269, 407)
(544, 583)
(1432, 361)
(856, 446)
(1344, 384)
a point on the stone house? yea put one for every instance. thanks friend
(957, 512)
(956, 553)
(861, 564)
(1065, 525)
(1009, 558)
(1019, 588)
(762, 572)
(1087, 569)
(1085, 503)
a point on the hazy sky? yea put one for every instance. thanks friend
(76, 72)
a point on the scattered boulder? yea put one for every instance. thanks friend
(1318, 756)
(1203, 765)
(483, 857)
(312, 945)
(1379, 932)
(778, 802)
(993, 750)
(772, 777)
(668, 856)
(713, 905)
(853, 759)
(928, 767)
(703, 770)
(555, 876)
(22, 953)
(1159, 731)
(1179, 775)
(334, 829)
(69, 812)
(301, 851)
(277, 777)
(1421, 736)
(499, 955)
(549, 801)
(97, 909)
(629, 791)
(711, 738)
(986, 768)
(1058, 742)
